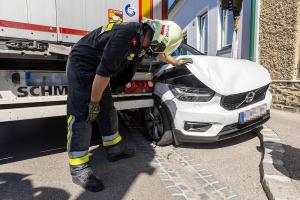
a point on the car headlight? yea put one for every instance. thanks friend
(192, 94)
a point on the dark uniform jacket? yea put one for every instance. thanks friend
(114, 51)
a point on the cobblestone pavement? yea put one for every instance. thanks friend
(184, 177)
(287, 127)
(275, 177)
(222, 170)
(234, 162)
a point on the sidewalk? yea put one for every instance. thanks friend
(287, 126)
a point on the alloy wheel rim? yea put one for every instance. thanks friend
(154, 124)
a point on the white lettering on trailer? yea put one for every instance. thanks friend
(42, 91)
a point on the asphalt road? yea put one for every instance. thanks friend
(33, 165)
(287, 126)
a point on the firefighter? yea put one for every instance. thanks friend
(101, 60)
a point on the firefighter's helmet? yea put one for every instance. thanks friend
(167, 36)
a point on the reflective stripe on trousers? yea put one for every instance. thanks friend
(78, 141)
(111, 139)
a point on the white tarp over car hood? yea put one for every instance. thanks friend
(227, 76)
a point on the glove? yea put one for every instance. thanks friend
(94, 109)
(183, 61)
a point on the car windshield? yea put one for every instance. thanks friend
(185, 49)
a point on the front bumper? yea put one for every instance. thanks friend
(234, 131)
(224, 123)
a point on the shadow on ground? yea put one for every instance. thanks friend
(291, 160)
(17, 186)
(21, 140)
(36, 138)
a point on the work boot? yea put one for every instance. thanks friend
(119, 151)
(83, 176)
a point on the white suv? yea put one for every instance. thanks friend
(213, 99)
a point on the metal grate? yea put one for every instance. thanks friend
(235, 101)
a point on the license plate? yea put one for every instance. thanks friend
(252, 114)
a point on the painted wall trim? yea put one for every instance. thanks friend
(257, 29)
(252, 30)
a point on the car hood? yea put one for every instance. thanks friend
(226, 76)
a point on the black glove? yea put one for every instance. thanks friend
(94, 109)
(183, 61)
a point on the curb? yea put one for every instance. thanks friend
(274, 176)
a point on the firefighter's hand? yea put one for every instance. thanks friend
(183, 61)
(94, 109)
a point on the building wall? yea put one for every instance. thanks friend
(186, 17)
(279, 50)
(186, 14)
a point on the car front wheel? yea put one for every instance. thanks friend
(158, 125)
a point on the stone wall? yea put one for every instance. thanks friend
(286, 95)
(297, 58)
(278, 38)
(279, 49)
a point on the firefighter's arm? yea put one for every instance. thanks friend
(169, 59)
(115, 51)
(99, 85)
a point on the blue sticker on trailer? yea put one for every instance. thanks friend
(130, 10)
(28, 78)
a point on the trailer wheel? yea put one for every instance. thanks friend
(158, 125)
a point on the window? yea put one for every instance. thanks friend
(227, 28)
(203, 33)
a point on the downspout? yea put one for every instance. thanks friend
(252, 30)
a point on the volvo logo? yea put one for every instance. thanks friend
(249, 97)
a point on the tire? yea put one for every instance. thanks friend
(158, 126)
